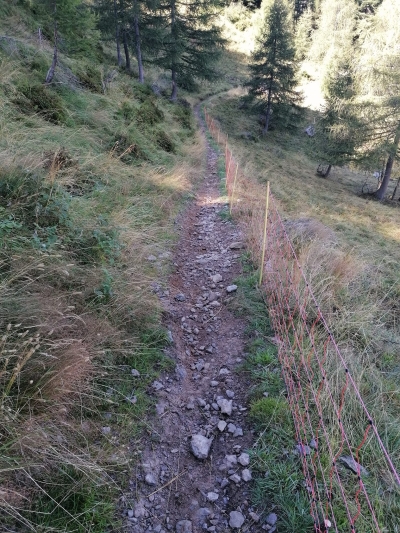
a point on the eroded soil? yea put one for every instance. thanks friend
(207, 394)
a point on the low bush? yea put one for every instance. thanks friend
(42, 100)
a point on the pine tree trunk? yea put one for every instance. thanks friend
(119, 58)
(268, 111)
(138, 48)
(380, 193)
(395, 189)
(174, 93)
(52, 69)
(126, 50)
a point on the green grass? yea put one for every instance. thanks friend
(79, 215)
(277, 471)
(354, 281)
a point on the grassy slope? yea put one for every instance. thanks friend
(90, 186)
(365, 234)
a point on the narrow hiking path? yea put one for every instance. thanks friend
(202, 405)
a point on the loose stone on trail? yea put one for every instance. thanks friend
(236, 519)
(200, 446)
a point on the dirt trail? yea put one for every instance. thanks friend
(206, 396)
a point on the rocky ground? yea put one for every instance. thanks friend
(195, 475)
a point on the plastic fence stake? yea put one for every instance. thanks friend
(233, 189)
(265, 236)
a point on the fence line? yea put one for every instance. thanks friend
(334, 429)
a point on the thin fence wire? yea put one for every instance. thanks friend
(335, 433)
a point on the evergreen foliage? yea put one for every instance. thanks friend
(273, 69)
(379, 86)
(187, 42)
(303, 34)
(75, 24)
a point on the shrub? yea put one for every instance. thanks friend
(149, 114)
(164, 141)
(90, 77)
(184, 116)
(40, 99)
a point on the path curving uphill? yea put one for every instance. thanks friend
(194, 475)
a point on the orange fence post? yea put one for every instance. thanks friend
(233, 189)
(265, 236)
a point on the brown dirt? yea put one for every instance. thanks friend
(207, 338)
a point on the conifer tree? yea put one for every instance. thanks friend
(124, 21)
(303, 34)
(187, 41)
(379, 82)
(69, 19)
(273, 69)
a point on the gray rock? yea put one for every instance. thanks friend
(221, 425)
(224, 372)
(157, 385)
(216, 278)
(235, 478)
(180, 372)
(236, 246)
(212, 496)
(231, 288)
(200, 446)
(224, 483)
(170, 336)
(236, 519)
(106, 430)
(150, 479)
(271, 519)
(230, 394)
(244, 459)
(238, 432)
(230, 460)
(254, 516)
(184, 526)
(352, 465)
(135, 373)
(214, 383)
(313, 444)
(130, 513)
(201, 402)
(246, 475)
(231, 428)
(152, 258)
(225, 406)
(303, 449)
(202, 514)
(180, 297)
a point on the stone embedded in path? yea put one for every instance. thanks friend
(180, 297)
(244, 459)
(212, 496)
(231, 288)
(157, 385)
(216, 278)
(236, 246)
(231, 428)
(246, 475)
(200, 446)
(150, 479)
(230, 394)
(184, 526)
(225, 406)
(221, 425)
(238, 432)
(236, 519)
(235, 478)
